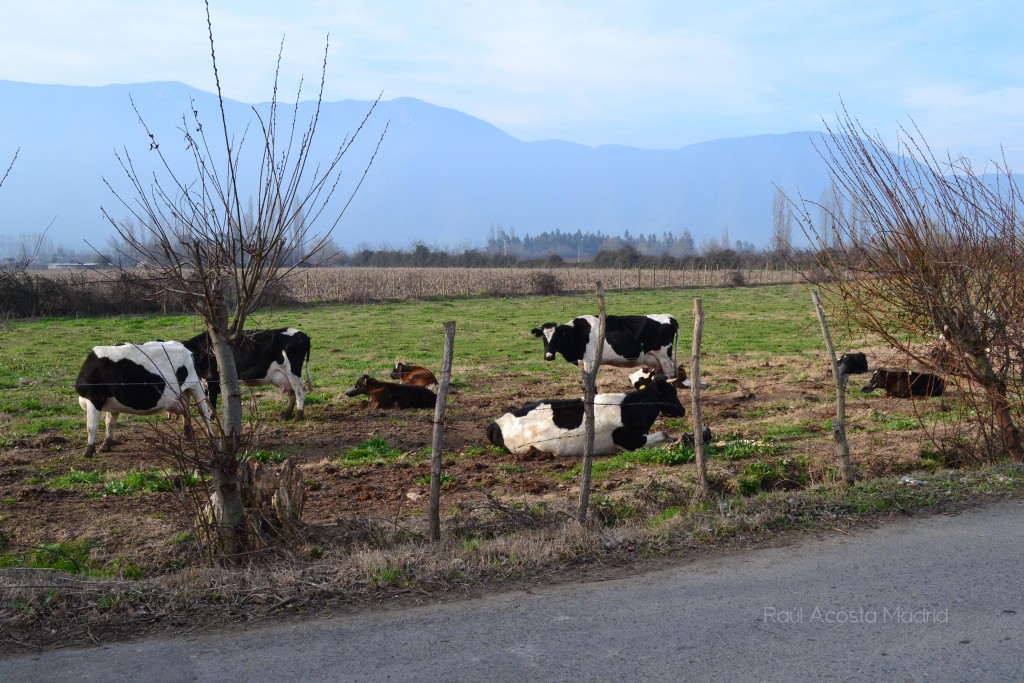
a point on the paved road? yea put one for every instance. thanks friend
(934, 598)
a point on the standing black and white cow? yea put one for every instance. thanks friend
(556, 426)
(629, 341)
(261, 357)
(139, 379)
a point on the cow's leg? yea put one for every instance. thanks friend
(287, 414)
(186, 414)
(204, 407)
(108, 437)
(668, 368)
(656, 438)
(300, 397)
(92, 423)
(628, 439)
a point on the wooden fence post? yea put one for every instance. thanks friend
(436, 446)
(698, 423)
(839, 426)
(589, 392)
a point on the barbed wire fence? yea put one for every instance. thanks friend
(599, 402)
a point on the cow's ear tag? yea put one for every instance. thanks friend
(641, 387)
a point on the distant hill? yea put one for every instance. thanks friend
(441, 177)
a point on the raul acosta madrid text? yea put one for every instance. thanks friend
(856, 615)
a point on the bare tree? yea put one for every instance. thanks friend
(200, 237)
(782, 224)
(930, 250)
(831, 214)
(28, 248)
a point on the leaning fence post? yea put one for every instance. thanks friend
(698, 423)
(589, 392)
(839, 426)
(435, 461)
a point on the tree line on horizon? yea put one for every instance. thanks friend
(503, 248)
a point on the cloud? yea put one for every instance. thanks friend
(655, 73)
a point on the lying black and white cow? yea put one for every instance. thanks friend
(629, 341)
(261, 357)
(556, 426)
(140, 379)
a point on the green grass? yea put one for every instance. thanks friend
(770, 475)
(445, 478)
(371, 450)
(76, 478)
(739, 450)
(39, 359)
(269, 456)
(146, 481)
(892, 422)
(114, 484)
(802, 430)
(70, 558)
(679, 454)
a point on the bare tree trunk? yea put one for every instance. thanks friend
(698, 426)
(589, 392)
(436, 447)
(228, 508)
(839, 426)
(996, 389)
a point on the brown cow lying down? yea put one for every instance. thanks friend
(413, 374)
(391, 395)
(905, 383)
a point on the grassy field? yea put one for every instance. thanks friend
(39, 359)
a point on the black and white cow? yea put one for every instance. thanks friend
(261, 357)
(629, 341)
(139, 379)
(556, 426)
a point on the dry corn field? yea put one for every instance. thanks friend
(355, 285)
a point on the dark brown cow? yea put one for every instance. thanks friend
(414, 374)
(905, 383)
(392, 395)
(853, 363)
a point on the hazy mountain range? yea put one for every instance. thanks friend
(441, 177)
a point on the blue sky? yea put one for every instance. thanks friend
(655, 74)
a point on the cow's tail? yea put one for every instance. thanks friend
(675, 354)
(309, 381)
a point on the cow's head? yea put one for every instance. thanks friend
(400, 371)
(551, 333)
(878, 379)
(663, 393)
(360, 387)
